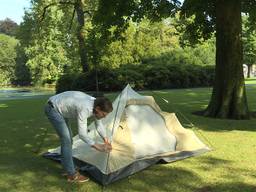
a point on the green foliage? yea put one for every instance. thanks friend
(147, 56)
(205, 52)
(132, 74)
(249, 7)
(24, 34)
(144, 76)
(49, 48)
(141, 40)
(22, 73)
(65, 82)
(249, 42)
(7, 59)
(113, 13)
(201, 54)
(49, 51)
(203, 13)
(202, 24)
(178, 76)
(146, 40)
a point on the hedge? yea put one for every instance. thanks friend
(141, 77)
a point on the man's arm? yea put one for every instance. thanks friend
(101, 129)
(83, 134)
(83, 131)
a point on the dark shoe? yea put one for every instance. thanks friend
(77, 178)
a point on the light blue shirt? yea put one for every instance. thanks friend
(78, 105)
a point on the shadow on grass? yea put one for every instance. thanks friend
(164, 178)
(185, 102)
(227, 187)
(253, 114)
(45, 174)
(251, 79)
(41, 174)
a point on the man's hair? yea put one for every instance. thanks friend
(104, 104)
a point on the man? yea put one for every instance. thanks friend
(78, 105)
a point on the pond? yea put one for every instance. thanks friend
(19, 93)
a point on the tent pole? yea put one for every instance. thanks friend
(113, 128)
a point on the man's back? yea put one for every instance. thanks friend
(70, 103)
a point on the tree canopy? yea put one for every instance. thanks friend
(70, 36)
(7, 58)
(8, 27)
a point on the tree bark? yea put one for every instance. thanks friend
(249, 71)
(228, 98)
(80, 35)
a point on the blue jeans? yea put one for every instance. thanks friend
(65, 134)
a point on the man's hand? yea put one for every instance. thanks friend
(107, 143)
(106, 140)
(102, 147)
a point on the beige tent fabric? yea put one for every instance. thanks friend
(123, 150)
(186, 139)
(146, 100)
(150, 135)
(86, 153)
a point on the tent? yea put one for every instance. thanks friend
(141, 135)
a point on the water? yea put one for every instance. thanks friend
(10, 94)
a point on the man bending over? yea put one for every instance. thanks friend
(78, 105)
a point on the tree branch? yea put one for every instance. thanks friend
(55, 4)
(71, 22)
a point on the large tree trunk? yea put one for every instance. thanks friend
(228, 97)
(80, 35)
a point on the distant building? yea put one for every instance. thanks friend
(251, 69)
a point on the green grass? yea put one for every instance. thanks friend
(250, 81)
(231, 166)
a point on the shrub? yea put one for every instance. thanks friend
(64, 83)
(140, 77)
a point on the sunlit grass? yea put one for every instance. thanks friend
(250, 81)
(230, 167)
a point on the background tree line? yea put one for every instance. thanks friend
(83, 37)
(48, 48)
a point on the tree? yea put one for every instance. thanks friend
(8, 27)
(45, 47)
(222, 16)
(140, 41)
(78, 7)
(228, 98)
(24, 34)
(119, 13)
(46, 51)
(7, 59)
(249, 42)
(83, 10)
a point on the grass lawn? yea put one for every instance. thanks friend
(250, 81)
(231, 166)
